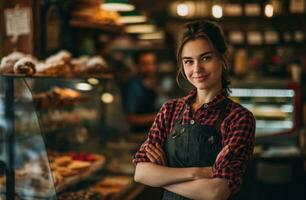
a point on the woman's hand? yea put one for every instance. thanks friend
(156, 154)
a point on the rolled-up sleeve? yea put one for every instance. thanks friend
(157, 133)
(240, 137)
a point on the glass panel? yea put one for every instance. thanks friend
(33, 178)
(273, 108)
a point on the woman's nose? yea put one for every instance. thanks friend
(197, 66)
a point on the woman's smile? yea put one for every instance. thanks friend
(201, 78)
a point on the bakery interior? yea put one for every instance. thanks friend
(63, 131)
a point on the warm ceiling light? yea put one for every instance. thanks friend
(217, 11)
(132, 17)
(93, 81)
(117, 5)
(269, 10)
(159, 35)
(182, 9)
(107, 97)
(140, 28)
(83, 86)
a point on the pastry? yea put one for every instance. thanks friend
(87, 157)
(66, 93)
(79, 65)
(25, 65)
(95, 64)
(53, 166)
(54, 68)
(79, 165)
(115, 181)
(57, 97)
(65, 171)
(57, 177)
(7, 62)
(63, 160)
(79, 195)
(106, 192)
(57, 64)
(62, 55)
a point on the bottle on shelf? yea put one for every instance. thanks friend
(240, 63)
(296, 70)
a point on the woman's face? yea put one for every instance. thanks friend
(202, 67)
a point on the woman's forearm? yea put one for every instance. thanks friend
(202, 189)
(157, 175)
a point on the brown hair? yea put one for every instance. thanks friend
(212, 32)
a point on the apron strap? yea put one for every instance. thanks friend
(222, 115)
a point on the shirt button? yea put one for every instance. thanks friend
(205, 105)
(182, 130)
(192, 122)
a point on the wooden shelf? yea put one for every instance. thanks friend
(69, 181)
(107, 27)
(102, 75)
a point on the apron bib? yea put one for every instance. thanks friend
(193, 145)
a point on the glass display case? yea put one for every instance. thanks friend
(60, 137)
(23, 154)
(275, 105)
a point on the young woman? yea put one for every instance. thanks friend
(199, 145)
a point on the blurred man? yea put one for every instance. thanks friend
(140, 93)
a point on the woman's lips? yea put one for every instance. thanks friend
(201, 77)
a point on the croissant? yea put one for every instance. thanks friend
(25, 65)
(7, 62)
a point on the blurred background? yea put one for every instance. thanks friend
(83, 53)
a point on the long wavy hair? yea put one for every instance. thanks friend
(212, 32)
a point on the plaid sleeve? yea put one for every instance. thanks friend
(157, 133)
(240, 137)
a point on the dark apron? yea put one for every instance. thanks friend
(193, 145)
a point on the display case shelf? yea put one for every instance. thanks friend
(104, 75)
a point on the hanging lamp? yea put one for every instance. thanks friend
(117, 5)
(147, 27)
(132, 17)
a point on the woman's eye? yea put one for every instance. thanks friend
(188, 62)
(206, 58)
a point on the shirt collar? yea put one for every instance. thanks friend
(220, 96)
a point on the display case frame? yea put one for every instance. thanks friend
(283, 89)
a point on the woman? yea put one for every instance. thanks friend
(199, 145)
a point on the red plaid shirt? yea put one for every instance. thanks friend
(237, 130)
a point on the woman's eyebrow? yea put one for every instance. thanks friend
(201, 55)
